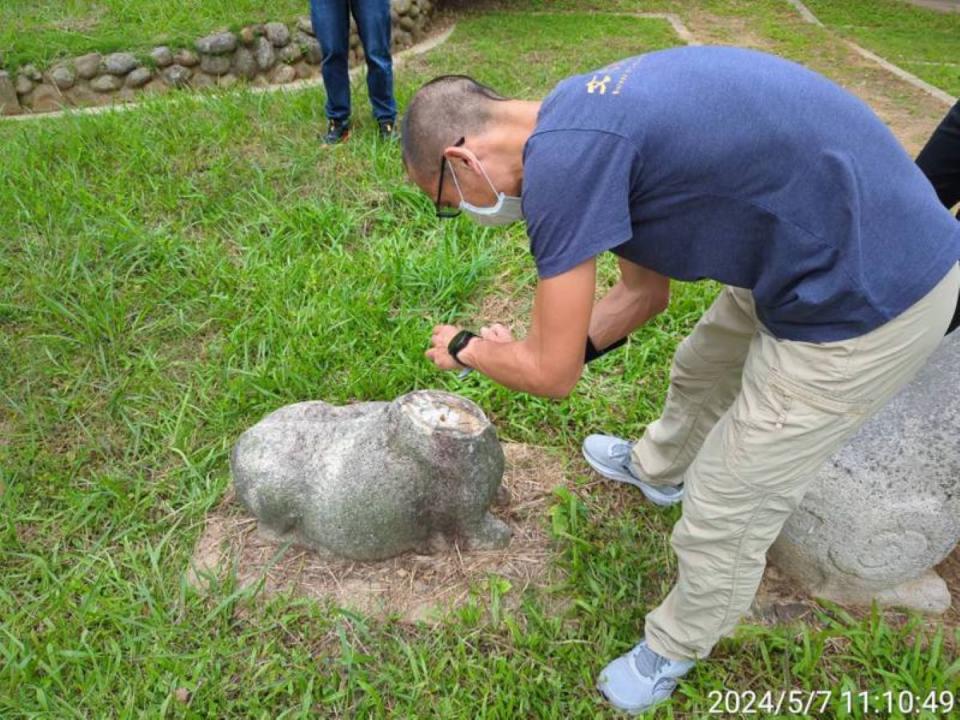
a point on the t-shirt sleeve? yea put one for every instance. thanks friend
(576, 196)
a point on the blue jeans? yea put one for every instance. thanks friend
(331, 24)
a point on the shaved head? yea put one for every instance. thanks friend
(444, 110)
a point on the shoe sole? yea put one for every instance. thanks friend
(652, 494)
(630, 709)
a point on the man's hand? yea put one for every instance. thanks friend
(496, 333)
(442, 335)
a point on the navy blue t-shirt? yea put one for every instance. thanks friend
(735, 165)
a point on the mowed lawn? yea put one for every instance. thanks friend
(923, 41)
(169, 275)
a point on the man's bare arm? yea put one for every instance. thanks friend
(549, 360)
(638, 296)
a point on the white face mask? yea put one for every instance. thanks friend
(503, 212)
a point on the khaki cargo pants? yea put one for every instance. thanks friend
(748, 420)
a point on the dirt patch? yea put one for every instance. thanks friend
(507, 305)
(710, 29)
(909, 112)
(411, 587)
(778, 601)
(79, 24)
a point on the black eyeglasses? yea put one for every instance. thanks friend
(446, 212)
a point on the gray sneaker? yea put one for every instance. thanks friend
(610, 456)
(641, 678)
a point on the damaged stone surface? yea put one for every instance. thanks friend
(886, 508)
(374, 480)
(410, 587)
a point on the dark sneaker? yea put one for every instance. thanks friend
(388, 130)
(338, 131)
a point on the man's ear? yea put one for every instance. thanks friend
(462, 157)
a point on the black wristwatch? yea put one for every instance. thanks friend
(458, 343)
(592, 353)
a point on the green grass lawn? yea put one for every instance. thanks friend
(924, 42)
(171, 274)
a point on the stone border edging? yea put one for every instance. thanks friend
(678, 26)
(805, 13)
(910, 78)
(398, 58)
(682, 31)
(260, 54)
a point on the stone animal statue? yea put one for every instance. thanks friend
(373, 480)
(886, 508)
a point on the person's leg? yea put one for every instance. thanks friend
(373, 25)
(704, 380)
(799, 402)
(940, 162)
(940, 158)
(331, 25)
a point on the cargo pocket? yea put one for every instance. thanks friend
(760, 411)
(779, 430)
(833, 404)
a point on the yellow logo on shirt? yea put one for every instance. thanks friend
(622, 70)
(595, 84)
